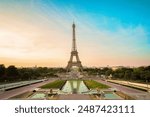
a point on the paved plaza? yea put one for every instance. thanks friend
(135, 93)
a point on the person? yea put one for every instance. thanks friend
(51, 91)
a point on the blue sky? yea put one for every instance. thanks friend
(109, 32)
(127, 11)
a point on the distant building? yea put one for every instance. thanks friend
(116, 67)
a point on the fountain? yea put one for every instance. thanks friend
(74, 86)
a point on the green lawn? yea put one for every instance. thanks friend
(56, 84)
(92, 84)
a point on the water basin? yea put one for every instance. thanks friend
(38, 96)
(111, 96)
(74, 86)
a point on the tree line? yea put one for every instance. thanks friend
(124, 73)
(12, 73)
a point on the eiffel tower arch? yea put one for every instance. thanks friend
(74, 53)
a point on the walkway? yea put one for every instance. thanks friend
(138, 94)
(132, 84)
(17, 91)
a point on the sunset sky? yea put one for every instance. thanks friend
(108, 32)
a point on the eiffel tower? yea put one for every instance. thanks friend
(74, 53)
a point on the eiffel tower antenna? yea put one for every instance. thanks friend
(74, 46)
(74, 53)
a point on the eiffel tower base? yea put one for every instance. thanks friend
(72, 63)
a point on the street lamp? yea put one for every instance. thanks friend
(147, 84)
(97, 75)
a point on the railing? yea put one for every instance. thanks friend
(9, 86)
(141, 86)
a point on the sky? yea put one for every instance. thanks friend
(108, 32)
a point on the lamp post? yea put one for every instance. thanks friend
(147, 84)
(97, 75)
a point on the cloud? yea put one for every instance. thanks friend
(42, 34)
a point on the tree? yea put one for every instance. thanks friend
(108, 72)
(145, 75)
(2, 70)
(119, 73)
(128, 74)
(12, 71)
(25, 76)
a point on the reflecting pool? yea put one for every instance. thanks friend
(75, 86)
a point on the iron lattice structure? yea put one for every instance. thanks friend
(74, 53)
